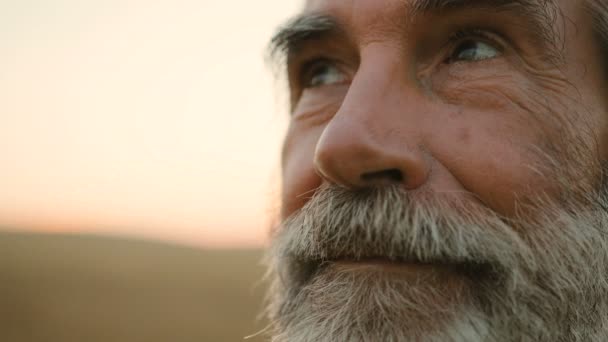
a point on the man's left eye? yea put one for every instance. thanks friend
(473, 51)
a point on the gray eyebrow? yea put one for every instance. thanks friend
(298, 30)
(541, 15)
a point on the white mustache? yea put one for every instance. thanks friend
(388, 223)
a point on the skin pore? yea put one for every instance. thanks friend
(442, 174)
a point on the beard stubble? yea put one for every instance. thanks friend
(473, 275)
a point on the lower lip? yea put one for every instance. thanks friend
(411, 268)
(386, 265)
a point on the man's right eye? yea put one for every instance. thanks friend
(322, 73)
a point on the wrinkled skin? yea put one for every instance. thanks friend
(466, 127)
(394, 101)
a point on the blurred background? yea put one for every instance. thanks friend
(139, 167)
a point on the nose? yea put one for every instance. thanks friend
(374, 138)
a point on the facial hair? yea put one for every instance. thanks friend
(537, 276)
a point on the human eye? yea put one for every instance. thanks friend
(473, 46)
(321, 72)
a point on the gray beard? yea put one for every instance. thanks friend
(541, 276)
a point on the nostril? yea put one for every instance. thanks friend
(391, 176)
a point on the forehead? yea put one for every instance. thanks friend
(360, 11)
(548, 18)
(331, 5)
(374, 7)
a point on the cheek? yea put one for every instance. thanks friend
(299, 175)
(487, 161)
(314, 110)
(492, 140)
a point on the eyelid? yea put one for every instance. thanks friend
(308, 65)
(489, 36)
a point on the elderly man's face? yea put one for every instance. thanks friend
(442, 173)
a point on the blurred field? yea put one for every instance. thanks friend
(61, 288)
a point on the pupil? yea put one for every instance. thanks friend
(322, 70)
(468, 49)
(320, 75)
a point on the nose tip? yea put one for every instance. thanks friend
(351, 158)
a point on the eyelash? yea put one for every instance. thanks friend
(465, 34)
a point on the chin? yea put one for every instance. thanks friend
(354, 301)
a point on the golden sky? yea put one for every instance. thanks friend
(149, 118)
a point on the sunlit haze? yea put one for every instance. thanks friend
(154, 119)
